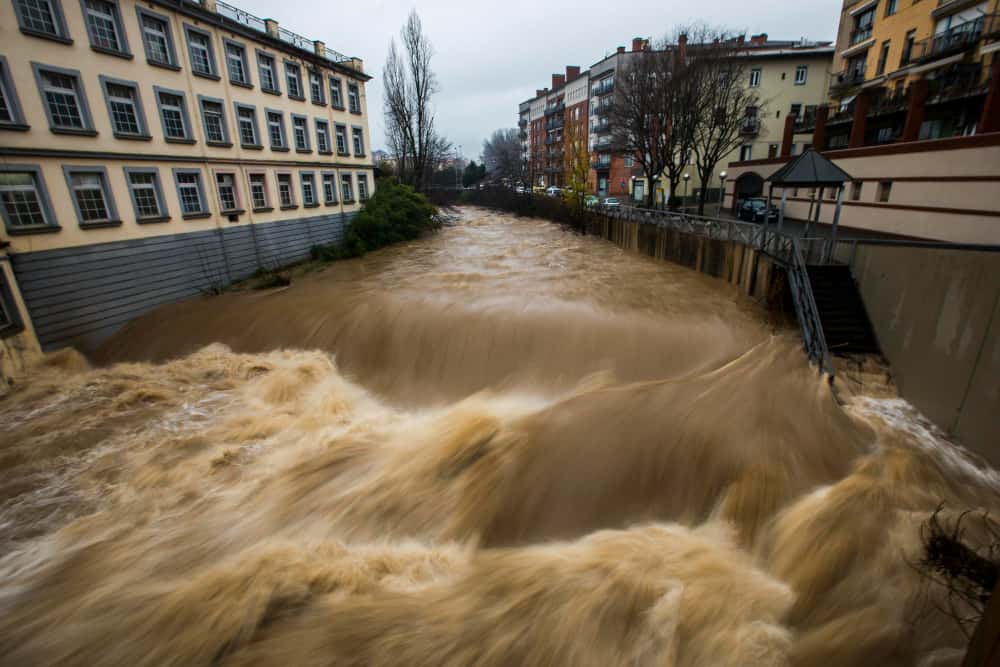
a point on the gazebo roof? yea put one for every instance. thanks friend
(809, 168)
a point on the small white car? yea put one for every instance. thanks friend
(611, 202)
(553, 191)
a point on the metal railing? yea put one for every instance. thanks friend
(749, 126)
(258, 24)
(785, 249)
(951, 41)
(241, 16)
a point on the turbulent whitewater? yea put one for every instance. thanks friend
(505, 444)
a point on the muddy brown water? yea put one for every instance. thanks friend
(504, 444)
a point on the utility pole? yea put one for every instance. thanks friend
(458, 167)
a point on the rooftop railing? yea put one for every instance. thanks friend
(258, 24)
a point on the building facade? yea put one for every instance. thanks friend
(156, 150)
(913, 116)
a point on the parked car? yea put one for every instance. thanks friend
(753, 210)
(553, 191)
(611, 202)
(590, 201)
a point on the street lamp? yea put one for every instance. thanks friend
(722, 192)
(686, 177)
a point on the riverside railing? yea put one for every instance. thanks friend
(785, 249)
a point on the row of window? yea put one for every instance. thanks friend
(103, 18)
(26, 206)
(65, 103)
(801, 76)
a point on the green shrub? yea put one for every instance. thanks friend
(394, 213)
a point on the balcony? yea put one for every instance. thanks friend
(859, 35)
(601, 162)
(890, 102)
(850, 78)
(549, 141)
(750, 127)
(603, 88)
(555, 108)
(952, 41)
(555, 123)
(601, 128)
(959, 82)
(522, 123)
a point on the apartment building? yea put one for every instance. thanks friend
(543, 120)
(791, 78)
(913, 115)
(159, 149)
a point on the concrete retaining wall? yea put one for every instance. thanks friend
(79, 296)
(936, 313)
(747, 268)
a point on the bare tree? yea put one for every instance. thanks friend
(726, 105)
(640, 115)
(409, 117)
(576, 157)
(502, 156)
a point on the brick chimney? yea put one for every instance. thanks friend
(758, 40)
(682, 47)
(540, 91)
(638, 43)
(621, 49)
(558, 80)
(572, 72)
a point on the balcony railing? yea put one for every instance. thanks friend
(601, 128)
(555, 108)
(847, 79)
(859, 35)
(522, 123)
(601, 162)
(951, 41)
(553, 140)
(603, 88)
(555, 123)
(750, 127)
(958, 83)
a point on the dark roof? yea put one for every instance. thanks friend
(810, 168)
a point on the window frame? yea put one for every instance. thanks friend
(325, 125)
(756, 74)
(358, 132)
(267, 207)
(114, 220)
(857, 188)
(297, 68)
(44, 203)
(212, 60)
(350, 183)
(227, 138)
(305, 134)
(188, 137)
(205, 212)
(322, 179)
(338, 127)
(237, 106)
(168, 33)
(805, 76)
(321, 102)
(157, 189)
(883, 192)
(237, 198)
(278, 176)
(81, 97)
(18, 121)
(62, 34)
(140, 113)
(357, 92)
(124, 50)
(276, 90)
(749, 151)
(244, 58)
(362, 177)
(283, 147)
(311, 175)
(333, 81)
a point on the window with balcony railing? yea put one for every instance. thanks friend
(863, 23)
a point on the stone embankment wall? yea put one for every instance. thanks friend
(748, 268)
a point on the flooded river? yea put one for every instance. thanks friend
(504, 444)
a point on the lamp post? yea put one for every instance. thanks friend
(632, 189)
(686, 177)
(722, 192)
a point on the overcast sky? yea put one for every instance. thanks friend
(492, 54)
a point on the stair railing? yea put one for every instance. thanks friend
(784, 248)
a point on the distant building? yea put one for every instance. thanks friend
(155, 150)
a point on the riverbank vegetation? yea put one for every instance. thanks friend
(395, 213)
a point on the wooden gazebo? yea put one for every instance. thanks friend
(809, 170)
